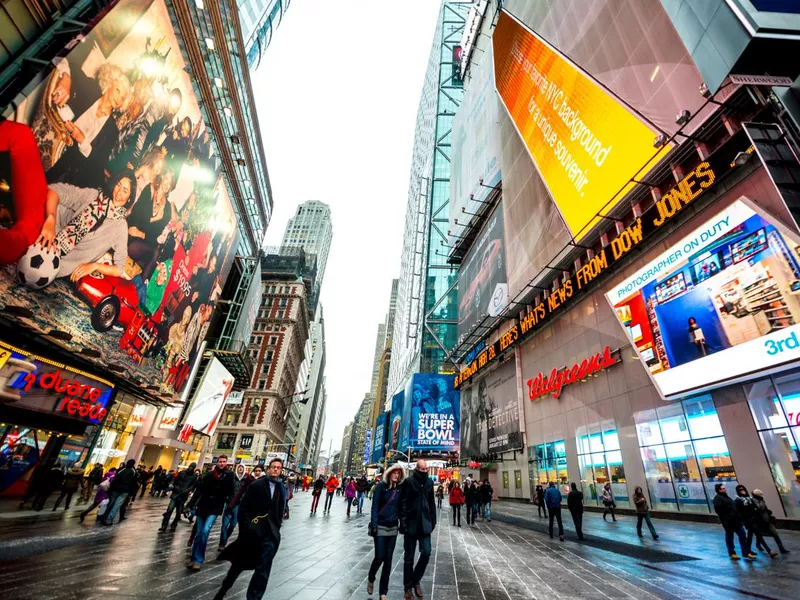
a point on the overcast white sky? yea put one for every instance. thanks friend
(337, 96)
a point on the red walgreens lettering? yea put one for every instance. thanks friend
(555, 382)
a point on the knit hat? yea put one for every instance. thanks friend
(758, 493)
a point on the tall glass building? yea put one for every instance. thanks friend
(427, 302)
(259, 19)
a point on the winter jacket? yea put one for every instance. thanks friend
(471, 494)
(72, 481)
(350, 490)
(540, 496)
(215, 491)
(575, 502)
(54, 479)
(331, 484)
(726, 510)
(763, 516)
(319, 485)
(185, 482)
(486, 492)
(126, 481)
(552, 497)
(96, 476)
(641, 504)
(746, 509)
(417, 505)
(241, 489)
(362, 485)
(456, 496)
(102, 493)
(608, 497)
(386, 501)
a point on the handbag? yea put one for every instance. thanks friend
(355, 502)
(102, 509)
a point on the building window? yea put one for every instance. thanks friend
(600, 461)
(775, 404)
(262, 384)
(684, 454)
(279, 315)
(226, 441)
(546, 463)
(273, 340)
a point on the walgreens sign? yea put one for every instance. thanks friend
(558, 379)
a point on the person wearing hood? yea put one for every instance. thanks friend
(362, 486)
(765, 522)
(456, 500)
(383, 527)
(538, 500)
(319, 485)
(101, 494)
(125, 483)
(417, 522)
(263, 508)
(215, 491)
(350, 492)
(748, 512)
(486, 499)
(185, 482)
(469, 500)
(72, 483)
(731, 521)
(240, 479)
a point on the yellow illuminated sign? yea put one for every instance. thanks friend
(584, 142)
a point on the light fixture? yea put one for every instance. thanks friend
(654, 73)
(683, 117)
(199, 4)
(741, 159)
(227, 111)
(704, 91)
(218, 82)
(660, 140)
(209, 43)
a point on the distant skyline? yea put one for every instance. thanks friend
(337, 108)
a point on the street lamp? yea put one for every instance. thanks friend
(303, 400)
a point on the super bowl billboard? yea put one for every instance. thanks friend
(434, 412)
(139, 233)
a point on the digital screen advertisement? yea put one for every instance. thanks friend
(141, 233)
(584, 142)
(721, 303)
(395, 432)
(482, 282)
(208, 402)
(435, 412)
(379, 438)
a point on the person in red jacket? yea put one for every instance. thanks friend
(23, 191)
(330, 486)
(456, 500)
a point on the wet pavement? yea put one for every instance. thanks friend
(52, 555)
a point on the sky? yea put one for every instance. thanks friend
(337, 95)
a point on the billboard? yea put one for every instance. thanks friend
(140, 232)
(585, 144)
(490, 414)
(482, 283)
(170, 418)
(396, 424)
(379, 439)
(208, 401)
(719, 304)
(250, 306)
(366, 454)
(434, 412)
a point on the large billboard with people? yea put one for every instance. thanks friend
(139, 233)
(379, 438)
(434, 410)
(208, 401)
(719, 304)
(397, 439)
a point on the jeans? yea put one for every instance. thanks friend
(760, 542)
(360, 501)
(456, 508)
(439, 501)
(469, 513)
(411, 574)
(487, 511)
(555, 513)
(646, 517)
(175, 504)
(260, 578)
(61, 496)
(228, 524)
(204, 525)
(40, 500)
(328, 501)
(577, 518)
(384, 550)
(739, 531)
(541, 508)
(315, 501)
(115, 501)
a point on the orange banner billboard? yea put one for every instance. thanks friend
(585, 143)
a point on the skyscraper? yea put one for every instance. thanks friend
(427, 303)
(312, 230)
(259, 19)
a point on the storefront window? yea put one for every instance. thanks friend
(548, 463)
(600, 460)
(683, 470)
(775, 403)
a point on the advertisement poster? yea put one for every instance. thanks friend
(19, 452)
(379, 439)
(140, 232)
(490, 414)
(208, 401)
(584, 142)
(365, 455)
(396, 423)
(435, 412)
(721, 303)
(250, 306)
(475, 147)
(482, 283)
(170, 417)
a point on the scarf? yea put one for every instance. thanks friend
(88, 219)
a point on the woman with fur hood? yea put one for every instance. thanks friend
(384, 526)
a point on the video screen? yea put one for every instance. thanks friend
(746, 247)
(648, 355)
(706, 267)
(672, 287)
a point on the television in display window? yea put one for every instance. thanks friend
(672, 287)
(749, 245)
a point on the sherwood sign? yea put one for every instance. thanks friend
(558, 379)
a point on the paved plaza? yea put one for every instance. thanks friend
(54, 556)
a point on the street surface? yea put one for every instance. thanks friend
(53, 556)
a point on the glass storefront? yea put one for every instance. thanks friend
(600, 461)
(685, 455)
(115, 439)
(775, 405)
(546, 463)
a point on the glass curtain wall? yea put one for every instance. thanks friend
(685, 455)
(600, 461)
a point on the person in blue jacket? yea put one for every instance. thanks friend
(552, 499)
(383, 527)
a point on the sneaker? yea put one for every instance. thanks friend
(418, 590)
(734, 557)
(785, 551)
(561, 537)
(750, 556)
(655, 537)
(370, 587)
(195, 566)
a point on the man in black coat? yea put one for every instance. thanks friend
(185, 482)
(261, 513)
(125, 483)
(214, 491)
(575, 506)
(731, 521)
(417, 522)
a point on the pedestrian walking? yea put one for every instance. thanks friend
(417, 522)
(71, 484)
(215, 491)
(52, 482)
(608, 502)
(101, 494)
(439, 496)
(642, 513)
(552, 499)
(728, 515)
(91, 481)
(486, 499)
(240, 479)
(332, 487)
(121, 487)
(471, 500)
(538, 500)
(350, 494)
(316, 492)
(748, 513)
(158, 480)
(168, 480)
(262, 510)
(362, 485)
(292, 483)
(456, 501)
(185, 482)
(766, 521)
(383, 527)
(141, 473)
(144, 480)
(478, 507)
(575, 506)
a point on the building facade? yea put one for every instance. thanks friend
(260, 19)
(311, 229)
(311, 423)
